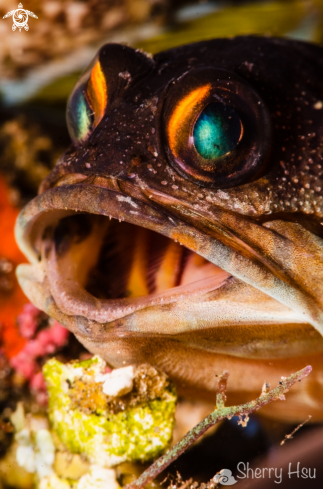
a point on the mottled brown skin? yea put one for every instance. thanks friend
(265, 232)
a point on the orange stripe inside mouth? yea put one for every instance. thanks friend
(119, 260)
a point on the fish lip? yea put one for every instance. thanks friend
(152, 214)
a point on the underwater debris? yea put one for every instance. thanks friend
(33, 448)
(87, 431)
(179, 483)
(34, 452)
(97, 478)
(68, 26)
(28, 152)
(221, 412)
(132, 425)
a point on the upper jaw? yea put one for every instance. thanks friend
(268, 258)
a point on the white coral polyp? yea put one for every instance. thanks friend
(98, 478)
(45, 454)
(25, 457)
(118, 382)
(35, 457)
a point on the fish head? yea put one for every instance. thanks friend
(183, 227)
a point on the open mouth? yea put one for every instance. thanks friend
(102, 267)
(105, 269)
(121, 260)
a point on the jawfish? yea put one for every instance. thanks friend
(183, 227)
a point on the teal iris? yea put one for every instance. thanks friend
(79, 115)
(217, 131)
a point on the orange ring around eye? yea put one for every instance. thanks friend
(182, 115)
(97, 92)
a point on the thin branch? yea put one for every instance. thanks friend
(221, 396)
(290, 436)
(221, 413)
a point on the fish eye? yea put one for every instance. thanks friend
(217, 128)
(103, 85)
(87, 103)
(79, 114)
(217, 131)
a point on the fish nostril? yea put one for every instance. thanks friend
(71, 230)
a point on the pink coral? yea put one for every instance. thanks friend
(24, 363)
(45, 342)
(37, 383)
(28, 320)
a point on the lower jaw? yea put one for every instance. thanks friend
(192, 366)
(227, 317)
